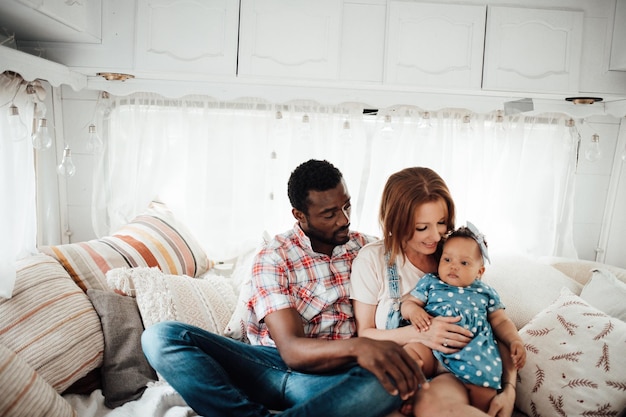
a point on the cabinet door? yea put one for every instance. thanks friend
(533, 50)
(187, 36)
(290, 38)
(363, 41)
(435, 45)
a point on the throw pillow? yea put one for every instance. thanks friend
(207, 303)
(50, 323)
(512, 275)
(242, 277)
(575, 363)
(153, 239)
(606, 293)
(25, 393)
(125, 370)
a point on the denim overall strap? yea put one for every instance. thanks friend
(394, 316)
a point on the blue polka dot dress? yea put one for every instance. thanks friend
(479, 362)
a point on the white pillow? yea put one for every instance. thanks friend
(575, 363)
(242, 277)
(605, 292)
(207, 303)
(525, 286)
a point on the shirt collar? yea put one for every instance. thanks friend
(304, 242)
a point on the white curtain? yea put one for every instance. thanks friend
(18, 223)
(223, 167)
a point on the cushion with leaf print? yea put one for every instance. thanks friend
(576, 361)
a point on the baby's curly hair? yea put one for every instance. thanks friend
(311, 175)
(464, 231)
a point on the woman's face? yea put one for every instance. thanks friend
(430, 226)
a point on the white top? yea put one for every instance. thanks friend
(369, 281)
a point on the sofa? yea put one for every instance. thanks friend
(70, 334)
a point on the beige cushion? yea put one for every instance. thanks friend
(576, 356)
(582, 270)
(526, 286)
(153, 239)
(207, 302)
(25, 393)
(50, 323)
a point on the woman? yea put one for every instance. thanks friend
(416, 210)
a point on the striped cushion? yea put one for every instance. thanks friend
(50, 323)
(25, 393)
(153, 239)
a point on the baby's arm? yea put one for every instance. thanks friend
(412, 309)
(505, 330)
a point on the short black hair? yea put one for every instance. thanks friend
(311, 175)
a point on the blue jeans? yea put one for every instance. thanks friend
(218, 376)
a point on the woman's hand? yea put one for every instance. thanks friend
(444, 335)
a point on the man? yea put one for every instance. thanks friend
(303, 357)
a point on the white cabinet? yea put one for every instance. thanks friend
(435, 45)
(54, 20)
(193, 36)
(535, 50)
(290, 39)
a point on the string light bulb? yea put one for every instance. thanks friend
(305, 128)
(386, 132)
(104, 103)
(425, 122)
(66, 168)
(346, 130)
(94, 143)
(41, 138)
(17, 129)
(593, 151)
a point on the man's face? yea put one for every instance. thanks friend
(327, 223)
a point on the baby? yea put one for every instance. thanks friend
(458, 291)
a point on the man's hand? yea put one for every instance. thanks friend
(395, 369)
(388, 361)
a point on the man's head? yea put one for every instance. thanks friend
(321, 203)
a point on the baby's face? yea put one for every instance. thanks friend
(461, 262)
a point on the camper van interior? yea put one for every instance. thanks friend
(146, 145)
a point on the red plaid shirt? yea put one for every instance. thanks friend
(287, 273)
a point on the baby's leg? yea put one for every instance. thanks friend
(423, 355)
(480, 397)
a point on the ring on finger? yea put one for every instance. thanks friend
(445, 342)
